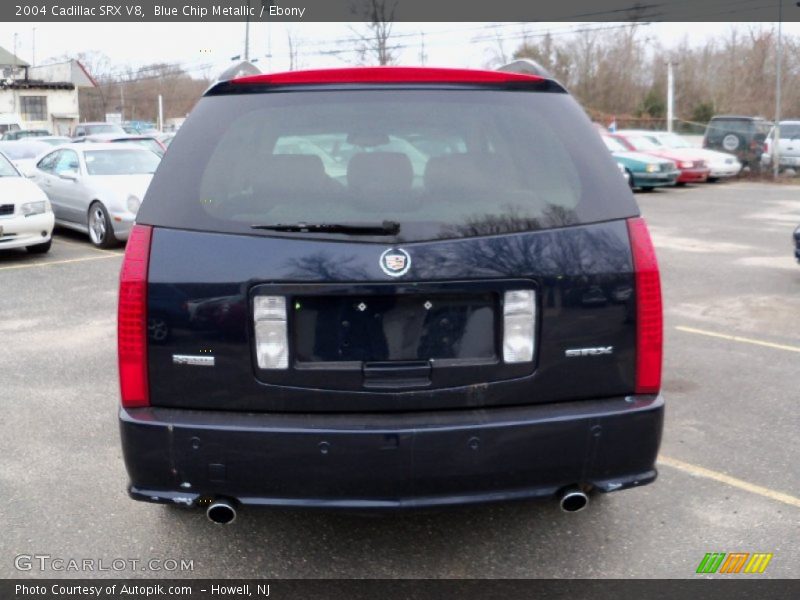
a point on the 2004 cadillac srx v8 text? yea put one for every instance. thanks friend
(388, 287)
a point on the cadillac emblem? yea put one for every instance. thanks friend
(395, 262)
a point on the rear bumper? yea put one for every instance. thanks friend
(720, 171)
(390, 460)
(122, 222)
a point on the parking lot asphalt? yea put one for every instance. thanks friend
(728, 480)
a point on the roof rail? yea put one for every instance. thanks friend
(526, 66)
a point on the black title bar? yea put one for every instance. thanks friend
(349, 589)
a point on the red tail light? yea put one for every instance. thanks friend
(132, 319)
(649, 319)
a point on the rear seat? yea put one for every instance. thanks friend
(288, 179)
(380, 179)
(451, 175)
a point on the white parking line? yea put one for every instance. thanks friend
(84, 246)
(60, 262)
(737, 338)
(699, 471)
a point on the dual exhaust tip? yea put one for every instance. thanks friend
(223, 512)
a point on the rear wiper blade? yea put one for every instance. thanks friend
(384, 228)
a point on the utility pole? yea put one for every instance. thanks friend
(269, 46)
(160, 113)
(247, 34)
(423, 58)
(267, 4)
(33, 48)
(670, 96)
(776, 149)
(14, 75)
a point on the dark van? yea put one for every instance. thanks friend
(383, 288)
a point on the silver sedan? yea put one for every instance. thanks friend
(96, 188)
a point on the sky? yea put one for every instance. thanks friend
(207, 48)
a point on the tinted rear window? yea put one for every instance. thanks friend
(789, 130)
(442, 163)
(103, 128)
(718, 128)
(6, 168)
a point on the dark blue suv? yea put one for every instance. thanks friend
(388, 287)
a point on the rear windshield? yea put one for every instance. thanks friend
(643, 143)
(103, 128)
(721, 127)
(441, 163)
(670, 140)
(150, 144)
(613, 144)
(6, 168)
(788, 131)
(21, 150)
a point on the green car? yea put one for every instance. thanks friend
(644, 171)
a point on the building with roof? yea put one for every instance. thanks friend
(40, 97)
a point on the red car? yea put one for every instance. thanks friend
(693, 169)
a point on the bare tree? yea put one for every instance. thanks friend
(623, 73)
(291, 40)
(373, 45)
(497, 51)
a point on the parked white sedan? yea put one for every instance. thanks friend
(721, 164)
(26, 220)
(23, 153)
(96, 188)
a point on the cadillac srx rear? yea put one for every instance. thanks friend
(388, 287)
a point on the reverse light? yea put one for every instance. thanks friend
(132, 319)
(519, 318)
(649, 320)
(272, 344)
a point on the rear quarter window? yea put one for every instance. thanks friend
(442, 163)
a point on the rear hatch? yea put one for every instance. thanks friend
(389, 246)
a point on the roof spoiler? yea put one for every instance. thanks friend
(526, 66)
(240, 69)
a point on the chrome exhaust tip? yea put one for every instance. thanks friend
(573, 500)
(221, 512)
